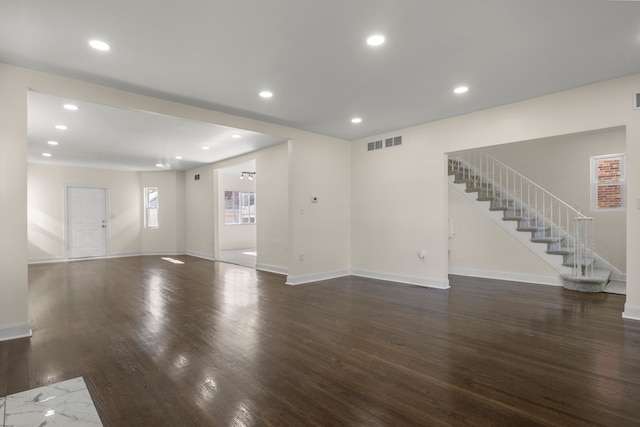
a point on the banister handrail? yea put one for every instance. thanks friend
(524, 178)
(550, 218)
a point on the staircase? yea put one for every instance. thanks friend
(553, 230)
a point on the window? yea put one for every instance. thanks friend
(239, 207)
(151, 207)
(608, 182)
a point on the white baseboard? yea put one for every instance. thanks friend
(46, 260)
(14, 331)
(504, 275)
(631, 312)
(315, 277)
(272, 268)
(400, 278)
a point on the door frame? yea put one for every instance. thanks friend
(66, 228)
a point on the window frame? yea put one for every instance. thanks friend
(241, 201)
(595, 184)
(148, 209)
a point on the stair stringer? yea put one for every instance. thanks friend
(524, 237)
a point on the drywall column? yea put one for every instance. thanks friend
(14, 316)
(632, 304)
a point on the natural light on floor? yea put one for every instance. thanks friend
(175, 261)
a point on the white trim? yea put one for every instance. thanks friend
(400, 278)
(504, 275)
(46, 260)
(14, 331)
(315, 277)
(272, 268)
(631, 312)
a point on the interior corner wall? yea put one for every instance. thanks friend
(169, 237)
(46, 209)
(199, 212)
(418, 172)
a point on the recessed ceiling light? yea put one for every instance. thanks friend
(70, 107)
(99, 45)
(46, 154)
(52, 142)
(375, 40)
(236, 136)
(356, 120)
(159, 165)
(178, 157)
(205, 147)
(61, 127)
(266, 94)
(461, 89)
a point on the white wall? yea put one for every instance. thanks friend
(199, 212)
(271, 186)
(562, 166)
(419, 170)
(397, 211)
(46, 213)
(320, 232)
(169, 237)
(357, 201)
(14, 320)
(481, 248)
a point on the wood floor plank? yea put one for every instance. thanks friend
(208, 343)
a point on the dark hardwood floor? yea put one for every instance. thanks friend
(213, 344)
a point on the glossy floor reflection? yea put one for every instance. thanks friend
(243, 257)
(206, 343)
(63, 404)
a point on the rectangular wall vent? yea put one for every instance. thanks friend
(384, 143)
(636, 101)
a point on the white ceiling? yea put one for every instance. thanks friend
(313, 56)
(105, 137)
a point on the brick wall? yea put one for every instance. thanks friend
(609, 194)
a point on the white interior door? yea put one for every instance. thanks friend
(86, 222)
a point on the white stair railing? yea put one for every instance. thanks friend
(583, 258)
(549, 218)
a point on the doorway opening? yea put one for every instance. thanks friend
(237, 219)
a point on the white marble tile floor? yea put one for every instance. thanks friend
(67, 403)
